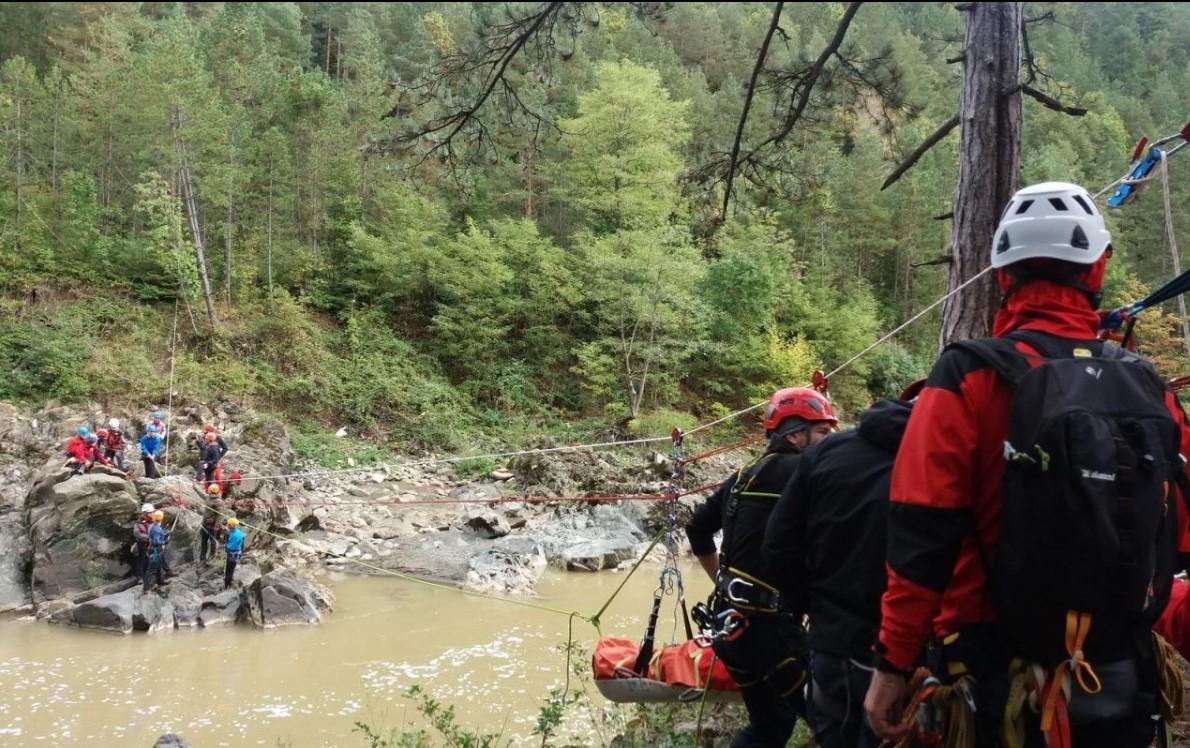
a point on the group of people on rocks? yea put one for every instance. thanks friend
(987, 560)
(151, 539)
(106, 447)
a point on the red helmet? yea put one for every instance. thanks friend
(101, 433)
(798, 402)
(208, 428)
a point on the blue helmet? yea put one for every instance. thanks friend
(83, 430)
(156, 415)
(151, 429)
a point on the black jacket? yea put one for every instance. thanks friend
(827, 536)
(210, 454)
(761, 484)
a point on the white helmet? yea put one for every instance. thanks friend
(146, 509)
(1054, 220)
(114, 423)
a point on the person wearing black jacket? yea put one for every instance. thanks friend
(825, 542)
(756, 632)
(203, 472)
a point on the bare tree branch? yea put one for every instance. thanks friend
(920, 151)
(943, 259)
(949, 215)
(1051, 103)
(774, 26)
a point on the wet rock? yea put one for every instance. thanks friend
(14, 559)
(487, 524)
(187, 604)
(109, 613)
(220, 609)
(501, 474)
(276, 600)
(171, 740)
(152, 613)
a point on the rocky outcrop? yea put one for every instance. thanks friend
(276, 600)
(221, 609)
(171, 740)
(79, 532)
(108, 613)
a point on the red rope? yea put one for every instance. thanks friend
(721, 450)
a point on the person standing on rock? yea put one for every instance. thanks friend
(150, 450)
(158, 538)
(757, 632)
(140, 536)
(99, 448)
(156, 422)
(234, 548)
(114, 450)
(209, 458)
(209, 532)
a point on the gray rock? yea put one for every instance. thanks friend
(187, 604)
(109, 613)
(504, 573)
(595, 555)
(487, 524)
(220, 609)
(152, 613)
(500, 474)
(14, 560)
(278, 599)
(171, 740)
(476, 491)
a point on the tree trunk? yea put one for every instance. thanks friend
(192, 212)
(989, 162)
(54, 166)
(528, 161)
(20, 170)
(231, 217)
(269, 241)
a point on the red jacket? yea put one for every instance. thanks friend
(1174, 624)
(947, 476)
(95, 454)
(78, 449)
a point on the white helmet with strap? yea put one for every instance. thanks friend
(1051, 220)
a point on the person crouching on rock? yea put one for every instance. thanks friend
(150, 449)
(78, 452)
(140, 536)
(158, 538)
(210, 527)
(234, 548)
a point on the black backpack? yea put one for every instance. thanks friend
(1088, 524)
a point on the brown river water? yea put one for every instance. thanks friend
(308, 686)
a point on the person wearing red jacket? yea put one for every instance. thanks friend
(78, 452)
(1174, 624)
(946, 490)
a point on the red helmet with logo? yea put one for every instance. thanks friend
(798, 402)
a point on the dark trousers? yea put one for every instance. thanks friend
(150, 467)
(229, 570)
(768, 661)
(153, 571)
(837, 689)
(207, 541)
(116, 458)
(141, 563)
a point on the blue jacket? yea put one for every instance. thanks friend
(235, 541)
(158, 538)
(150, 445)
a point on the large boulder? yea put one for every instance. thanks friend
(220, 609)
(187, 604)
(14, 563)
(504, 573)
(279, 599)
(108, 613)
(80, 532)
(487, 524)
(171, 740)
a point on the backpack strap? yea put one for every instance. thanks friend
(998, 353)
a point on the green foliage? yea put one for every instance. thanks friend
(569, 279)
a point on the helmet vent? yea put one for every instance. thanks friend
(1024, 206)
(1058, 204)
(1003, 244)
(1078, 199)
(1078, 239)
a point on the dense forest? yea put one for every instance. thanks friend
(568, 263)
